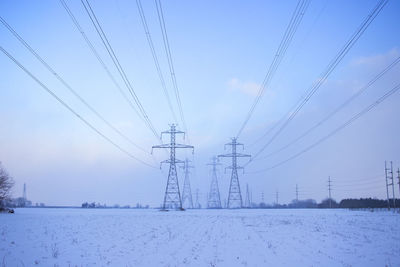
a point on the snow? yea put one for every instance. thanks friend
(118, 237)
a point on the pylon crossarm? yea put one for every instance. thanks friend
(237, 167)
(230, 155)
(225, 156)
(183, 146)
(177, 161)
(242, 155)
(172, 132)
(161, 146)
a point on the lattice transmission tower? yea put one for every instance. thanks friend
(235, 196)
(389, 178)
(172, 197)
(187, 200)
(214, 199)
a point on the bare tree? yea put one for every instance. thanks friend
(6, 183)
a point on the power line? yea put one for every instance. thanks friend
(59, 78)
(170, 62)
(72, 110)
(347, 123)
(99, 59)
(340, 107)
(291, 29)
(331, 66)
(361, 184)
(155, 58)
(117, 64)
(358, 179)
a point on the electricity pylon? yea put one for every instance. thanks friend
(214, 200)
(187, 200)
(389, 176)
(235, 196)
(330, 189)
(247, 202)
(172, 197)
(398, 178)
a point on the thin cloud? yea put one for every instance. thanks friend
(377, 59)
(248, 88)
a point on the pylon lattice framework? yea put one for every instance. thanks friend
(172, 197)
(235, 196)
(187, 200)
(214, 199)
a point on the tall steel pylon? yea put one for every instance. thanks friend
(187, 200)
(235, 196)
(214, 199)
(172, 197)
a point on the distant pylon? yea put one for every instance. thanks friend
(187, 201)
(297, 194)
(398, 177)
(24, 193)
(330, 189)
(277, 198)
(214, 200)
(394, 197)
(235, 196)
(172, 197)
(247, 203)
(389, 177)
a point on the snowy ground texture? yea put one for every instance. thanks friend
(88, 237)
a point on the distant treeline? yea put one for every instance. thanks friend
(350, 203)
(94, 205)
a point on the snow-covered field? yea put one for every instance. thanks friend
(87, 237)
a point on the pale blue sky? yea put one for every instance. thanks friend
(221, 52)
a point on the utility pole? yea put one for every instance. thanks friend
(235, 196)
(297, 194)
(187, 201)
(172, 197)
(388, 175)
(394, 198)
(262, 197)
(277, 198)
(247, 202)
(330, 189)
(387, 187)
(389, 172)
(214, 200)
(398, 177)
